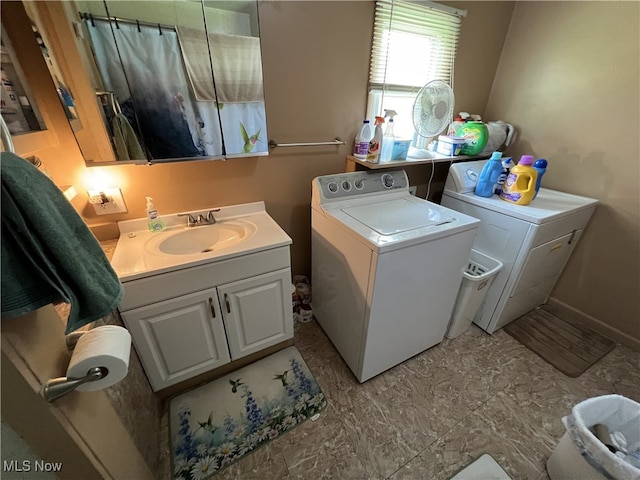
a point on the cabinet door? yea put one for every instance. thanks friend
(179, 338)
(257, 312)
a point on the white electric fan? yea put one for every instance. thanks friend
(433, 108)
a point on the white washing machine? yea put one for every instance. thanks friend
(533, 241)
(386, 267)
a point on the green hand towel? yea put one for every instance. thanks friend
(48, 252)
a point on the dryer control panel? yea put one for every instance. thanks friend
(346, 185)
(463, 177)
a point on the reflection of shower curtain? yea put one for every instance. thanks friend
(241, 118)
(171, 124)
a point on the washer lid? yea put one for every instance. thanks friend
(398, 215)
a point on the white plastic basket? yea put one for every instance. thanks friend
(476, 280)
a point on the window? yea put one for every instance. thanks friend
(413, 43)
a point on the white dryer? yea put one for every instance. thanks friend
(386, 267)
(533, 241)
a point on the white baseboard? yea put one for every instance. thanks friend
(593, 323)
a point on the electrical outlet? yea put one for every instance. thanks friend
(413, 190)
(107, 201)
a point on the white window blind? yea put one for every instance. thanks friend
(413, 43)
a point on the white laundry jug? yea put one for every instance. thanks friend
(500, 136)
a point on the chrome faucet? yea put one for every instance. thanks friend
(192, 221)
(210, 217)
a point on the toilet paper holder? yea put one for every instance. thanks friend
(61, 386)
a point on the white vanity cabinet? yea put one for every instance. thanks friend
(256, 312)
(190, 321)
(179, 338)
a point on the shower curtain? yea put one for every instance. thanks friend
(153, 90)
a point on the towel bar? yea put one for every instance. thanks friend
(336, 141)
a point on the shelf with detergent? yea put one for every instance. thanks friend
(354, 163)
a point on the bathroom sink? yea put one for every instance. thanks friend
(204, 239)
(240, 230)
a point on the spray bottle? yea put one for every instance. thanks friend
(387, 140)
(373, 155)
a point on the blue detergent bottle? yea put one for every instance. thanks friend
(489, 175)
(541, 166)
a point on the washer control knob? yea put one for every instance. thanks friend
(359, 184)
(346, 185)
(332, 187)
(388, 181)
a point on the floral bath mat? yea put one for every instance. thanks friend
(218, 423)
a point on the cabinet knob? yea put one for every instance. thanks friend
(226, 301)
(212, 307)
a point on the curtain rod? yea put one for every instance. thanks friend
(138, 23)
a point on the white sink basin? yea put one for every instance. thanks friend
(202, 239)
(241, 230)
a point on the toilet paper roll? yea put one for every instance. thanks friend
(108, 347)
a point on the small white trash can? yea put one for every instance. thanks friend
(476, 281)
(582, 455)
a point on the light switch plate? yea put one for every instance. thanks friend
(107, 201)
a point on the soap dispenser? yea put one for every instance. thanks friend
(154, 222)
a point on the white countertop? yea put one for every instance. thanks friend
(133, 260)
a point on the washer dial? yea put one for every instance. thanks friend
(332, 187)
(387, 180)
(359, 184)
(346, 185)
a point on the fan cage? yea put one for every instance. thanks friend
(429, 98)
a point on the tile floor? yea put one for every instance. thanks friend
(435, 413)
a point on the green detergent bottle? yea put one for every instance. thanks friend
(475, 136)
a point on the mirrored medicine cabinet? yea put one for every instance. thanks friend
(152, 82)
(26, 126)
